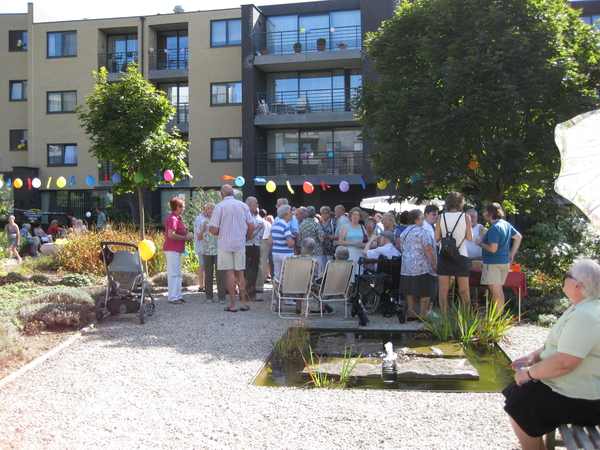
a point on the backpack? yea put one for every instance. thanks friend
(449, 251)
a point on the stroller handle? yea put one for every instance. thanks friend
(126, 244)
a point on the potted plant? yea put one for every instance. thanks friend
(321, 42)
(297, 47)
(341, 46)
(264, 51)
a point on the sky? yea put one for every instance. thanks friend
(80, 9)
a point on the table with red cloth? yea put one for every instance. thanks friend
(515, 280)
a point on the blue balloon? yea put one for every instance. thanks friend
(239, 181)
(116, 178)
(330, 154)
(90, 180)
(280, 156)
(260, 180)
(362, 182)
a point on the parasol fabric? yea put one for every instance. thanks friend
(578, 141)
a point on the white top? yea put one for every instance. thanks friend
(459, 233)
(474, 250)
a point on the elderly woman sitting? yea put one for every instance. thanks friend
(560, 381)
(34, 245)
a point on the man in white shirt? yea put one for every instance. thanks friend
(341, 220)
(431, 214)
(386, 246)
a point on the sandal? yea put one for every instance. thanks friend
(247, 308)
(176, 302)
(230, 310)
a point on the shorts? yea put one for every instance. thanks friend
(200, 259)
(538, 410)
(231, 260)
(494, 273)
(458, 268)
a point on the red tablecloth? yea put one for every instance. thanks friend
(514, 280)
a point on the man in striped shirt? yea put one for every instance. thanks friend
(233, 225)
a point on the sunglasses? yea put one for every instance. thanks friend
(569, 275)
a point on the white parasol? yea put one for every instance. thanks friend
(578, 141)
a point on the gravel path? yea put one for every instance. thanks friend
(182, 381)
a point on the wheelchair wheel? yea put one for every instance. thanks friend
(369, 302)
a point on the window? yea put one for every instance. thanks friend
(224, 33)
(179, 96)
(18, 91)
(226, 149)
(122, 50)
(173, 50)
(62, 102)
(18, 140)
(17, 41)
(226, 93)
(62, 155)
(62, 44)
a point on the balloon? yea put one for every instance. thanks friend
(151, 49)
(330, 154)
(36, 183)
(99, 165)
(116, 178)
(280, 156)
(59, 241)
(362, 183)
(344, 186)
(9, 182)
(90, 180)
(88, 214)
(289, 186)
(302, 30)
(61, 182)
(271, 186)
(18, 183)
(332, 30)
(1, 183)
(324, 186)
(49, 183)
(239, 181)
(72, 181)
(308, 187)
(473, 164)
(29, 183)
(147, 249)
(228, 177)
(138, 177)
(415, 178)
(260, 180)
(382, 184)
(305, 155)
(168, 175)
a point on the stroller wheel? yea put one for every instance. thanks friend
(143, 315)
(151, 309)
(101, 311)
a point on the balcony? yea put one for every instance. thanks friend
(281, 42)
(181, 119)
(169, 64)
(309, 107)
(116, 63)
(308, 163)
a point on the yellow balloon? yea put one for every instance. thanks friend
(382, 184)
(147, 249)
(61, 182)
(59, 241)
(18, 183)
(271, 186)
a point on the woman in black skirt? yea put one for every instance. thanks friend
(454, 220)
(560, 381)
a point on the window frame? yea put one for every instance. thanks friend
(228, 159)
(62, 102)
(15, 140)
(62, 49)
(24, 92)
(63, 147)
(227, 25)
(14, 36)
(227, 102)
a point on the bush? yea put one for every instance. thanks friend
(8, 338)
(65, 296)
(55, 316)
(11, 278)
(40, 279)
(187, 279)
(77, 280)
(12, 295)
(39, 264)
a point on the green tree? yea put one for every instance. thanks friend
(126, 122)
(468, 93)
(6, 200)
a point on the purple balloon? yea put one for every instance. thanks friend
(344, 186)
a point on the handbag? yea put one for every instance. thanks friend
(449, 251)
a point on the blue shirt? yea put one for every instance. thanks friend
(280, 231)
(501, 233)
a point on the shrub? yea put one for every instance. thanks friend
(8, 338)
(55, 316)
(39, 264)
(77, 280)
(11, 295)
(66, 296)
(11, 278)
(40, 279)
(187, 279)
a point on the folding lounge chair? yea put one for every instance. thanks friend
(336, 283)
(294, 283)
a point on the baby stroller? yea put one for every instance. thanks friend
(128, 287)
(378, 286)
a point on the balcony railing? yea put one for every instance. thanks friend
(169, 59)
(308, 163)
(117, 62)
(279, 42)
(182, 115)
(304, 101)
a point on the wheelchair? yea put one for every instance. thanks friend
(378, 286)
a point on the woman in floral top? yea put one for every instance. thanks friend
(418, 264)
(209, 257)
(328, 226)
(310, 228)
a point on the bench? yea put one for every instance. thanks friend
(575, 437)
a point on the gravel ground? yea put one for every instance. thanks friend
(183, 381)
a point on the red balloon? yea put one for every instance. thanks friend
(308, 187)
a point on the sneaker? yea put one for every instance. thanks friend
(433, 314)
(222, 302)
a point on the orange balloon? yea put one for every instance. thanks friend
(473, 164)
